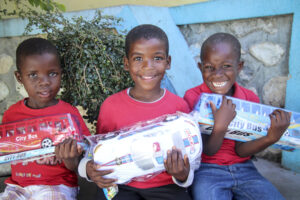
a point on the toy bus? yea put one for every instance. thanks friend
(37, 133)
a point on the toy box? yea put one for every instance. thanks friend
(252, 121)
(139, 151)
(35, 137)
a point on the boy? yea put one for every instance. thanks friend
(38, 69)
(226, 171)
(146, 60)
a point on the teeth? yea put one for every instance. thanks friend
(147, 77)
(219, 84)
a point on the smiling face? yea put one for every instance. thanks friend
(41, 76)
(220, 67)
(147, 62)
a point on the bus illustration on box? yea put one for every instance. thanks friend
(37, 133)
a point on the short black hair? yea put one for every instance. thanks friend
(222, 37)
(34, 46)
(145, 31)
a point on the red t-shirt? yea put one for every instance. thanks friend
(226, 154)
(31, 173)
(120, 110)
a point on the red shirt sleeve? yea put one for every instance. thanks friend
(104, 122)
(191, 98)
(84, 129)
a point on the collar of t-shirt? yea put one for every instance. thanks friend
(162, 96)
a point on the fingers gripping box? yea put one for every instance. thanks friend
(140, 150)
(251, 122)
(36, 137)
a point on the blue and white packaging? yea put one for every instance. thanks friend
(252, 121)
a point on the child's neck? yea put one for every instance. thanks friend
(39, 105)
(146, 96)
(231, 91)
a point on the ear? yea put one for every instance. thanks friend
(18, 76)
(200, 66)
(168, 62)
(126, 63)
(240, 66)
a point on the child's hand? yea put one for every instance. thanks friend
(280, 121)
(224, 115)
(176, 166)
(222, 118)
(97, 176)
(69, 152)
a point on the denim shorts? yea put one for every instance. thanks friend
(239, 181)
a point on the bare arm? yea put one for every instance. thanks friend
(280, 120)
(222, 118)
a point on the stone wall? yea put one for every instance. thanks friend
(10, 90)
(265, 51)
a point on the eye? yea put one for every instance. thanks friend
(226, 66)
(53, 74)
(208, 68)
(32, 75)
(137, 58)
(158, 58)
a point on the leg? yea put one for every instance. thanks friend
(212, 182)
(49, 192)
(251, 185)
(100, 194)
(166, 192)
(127, 193)
(14, 192)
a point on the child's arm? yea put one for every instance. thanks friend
(69, 152)
(222, 118)
(179, 168)
(280, 121)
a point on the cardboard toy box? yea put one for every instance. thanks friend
(36, 137)
(252, 121)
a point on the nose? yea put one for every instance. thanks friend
(44, 80)
(219, 71)
(148, 63)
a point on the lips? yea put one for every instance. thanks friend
(44, 94)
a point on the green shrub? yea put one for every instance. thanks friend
(91, 57)
(23, 8)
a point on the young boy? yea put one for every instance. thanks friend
(38, 69)
(226, 171)
(146, 60)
